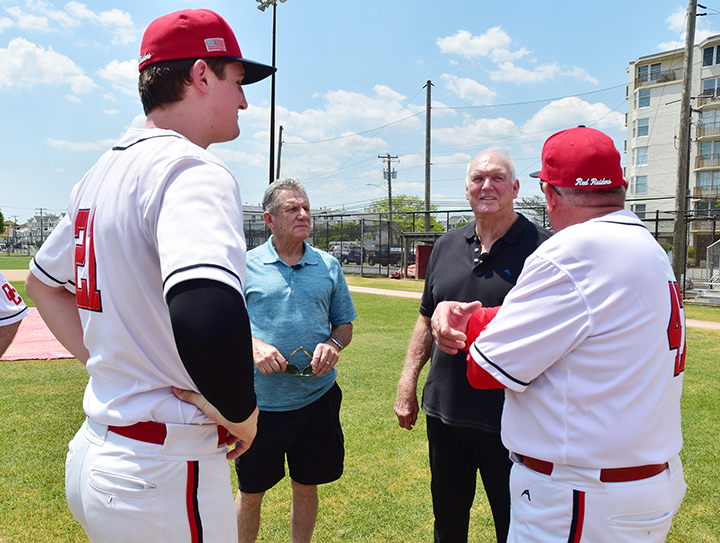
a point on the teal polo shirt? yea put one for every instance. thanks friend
(291, 307)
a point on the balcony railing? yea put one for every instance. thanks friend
(708, 129)
(709, 97)
(707, 161)
(668, 76)
(707, 192)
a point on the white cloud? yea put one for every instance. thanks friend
(123, 75)
(6, 22)
(676, 20)
(47, 10)
(503, 55)
(27, 21)
(463, 43)
(569, 112)
(111, 111)
(72, 98)
(469, 89)
(342, 109)
(579, 73)
(477, 132)
(507, 71)
(101, 145)
(118, 23)
(26, 64)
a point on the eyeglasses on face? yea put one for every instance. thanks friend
(553, 186)
(292, 369)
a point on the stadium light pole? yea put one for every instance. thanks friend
(263, 5)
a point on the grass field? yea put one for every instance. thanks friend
(14, 261)
(384, 494)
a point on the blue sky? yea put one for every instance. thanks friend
(349, 87)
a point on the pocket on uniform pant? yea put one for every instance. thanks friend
(120, 484)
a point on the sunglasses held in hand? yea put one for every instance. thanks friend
(292, 369)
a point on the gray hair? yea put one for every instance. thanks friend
(509, 162)
(577, 197)
(270, 199)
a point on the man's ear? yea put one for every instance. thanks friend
(551, 198)
(268, 218)
(199, 76)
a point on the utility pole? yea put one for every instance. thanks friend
(277, 175)
(42, 240)
(683, 170)
(389, 174)
(15, 217)
(428, 112)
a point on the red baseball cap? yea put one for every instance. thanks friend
(195, 33)
(582, 158)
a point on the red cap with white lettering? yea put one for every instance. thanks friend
(582, 158)
(195, 33)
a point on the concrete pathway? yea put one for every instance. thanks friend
(19, 275)
(386, 292)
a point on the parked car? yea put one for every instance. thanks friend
(350, 253)
(387, 256)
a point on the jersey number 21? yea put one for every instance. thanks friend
(86, 291)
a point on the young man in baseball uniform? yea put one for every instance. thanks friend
(142, 281)
(12, 311)
(590, 347)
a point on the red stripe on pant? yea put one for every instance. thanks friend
(578, 516)
(191, 496)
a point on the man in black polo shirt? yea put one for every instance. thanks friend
(480, 261)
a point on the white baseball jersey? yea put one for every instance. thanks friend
(12, 307)
(590, 344)
(143, 219)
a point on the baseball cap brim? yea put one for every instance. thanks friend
(536, 174)
(254, 71)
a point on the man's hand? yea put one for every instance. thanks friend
(450, 323)
(242, 433)
(406, 404)
(325, 356)
(267, 358)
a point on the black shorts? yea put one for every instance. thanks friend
(311, 437)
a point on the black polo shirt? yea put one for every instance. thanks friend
(458, 270)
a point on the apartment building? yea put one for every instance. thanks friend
(653, 125)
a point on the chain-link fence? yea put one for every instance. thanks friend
(372, 244)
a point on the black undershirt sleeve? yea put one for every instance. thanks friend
(212, 334)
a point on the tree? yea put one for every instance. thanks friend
(533, 207)
(2, 223)
(402, 217)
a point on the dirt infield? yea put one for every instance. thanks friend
(14, 275)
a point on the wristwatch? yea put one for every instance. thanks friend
(337, 342)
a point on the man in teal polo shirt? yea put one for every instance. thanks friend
(301, 315)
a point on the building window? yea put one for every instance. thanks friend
(709, 87)
(707, 209)
(642, 98)
(708, 180)
(640, 156)
(711, 55)
(639, 210)
(708, 56)
(639, 184)
(709, 148)
(649, 73)
(641, 127)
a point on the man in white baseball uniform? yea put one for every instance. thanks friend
(142, 281)
(12, 311)
(590, 347)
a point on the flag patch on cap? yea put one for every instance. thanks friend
(215, 44)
